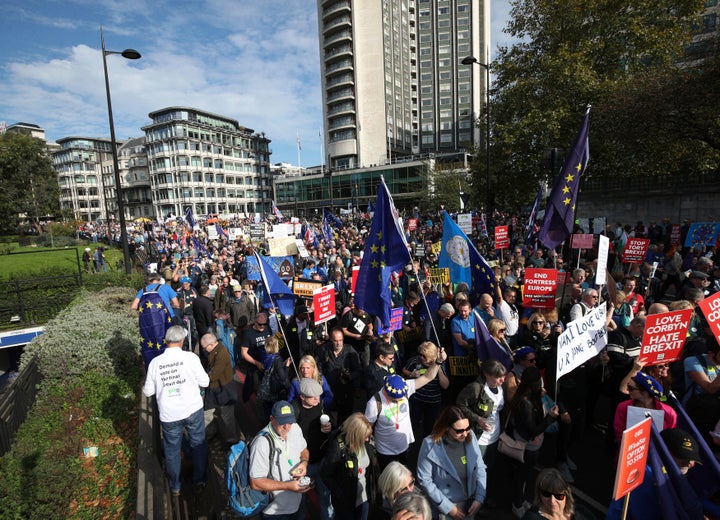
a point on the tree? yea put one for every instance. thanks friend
(28, 182)
(572, 53)
(445, 182)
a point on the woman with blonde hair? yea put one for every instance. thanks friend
(350, 468)
(395, 480)
(307, 367)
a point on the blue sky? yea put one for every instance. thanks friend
(256, 61)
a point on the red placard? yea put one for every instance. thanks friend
(582, 241)
(539, 288)
(635, 250)
(675, 234)
(502, 241)
(353, 282)
(632, 459)
(664, 336)
(711, 309)
(412, 224)
(324, 304)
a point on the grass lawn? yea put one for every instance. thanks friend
(36, 260)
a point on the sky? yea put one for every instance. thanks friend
(256, 61)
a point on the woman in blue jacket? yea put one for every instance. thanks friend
(450, 467)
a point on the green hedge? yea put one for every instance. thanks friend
(89, 359)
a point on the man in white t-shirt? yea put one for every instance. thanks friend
(391, 415)
(174, 378)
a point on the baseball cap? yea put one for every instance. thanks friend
(681, 444)
(283, 413)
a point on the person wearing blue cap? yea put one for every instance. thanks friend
(644, 392)
(187, 296)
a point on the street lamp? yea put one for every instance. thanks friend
(469, 60)
(130, 54)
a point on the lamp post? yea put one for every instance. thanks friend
(470, 60)
(130, 54)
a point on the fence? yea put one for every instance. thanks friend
(15, 402)
(36, 300)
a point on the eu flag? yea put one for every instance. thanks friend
(190, 220)
(487, 347)
(327, 232)
(332, 218)
(277, 294)
(560, 213)
(385, 252)
(464, 261)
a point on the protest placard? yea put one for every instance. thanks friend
(302, 287)
(583, 339)
(664, 336)
(582, 241)
(353, 282)
(439, 274)
(502, 241)
(324, 304)
(603, 248)
(632, 458)
(635, 250)
(710, 307)
(464, 221)
(282, 246)
(412, 224)
(675, 234)
(396, 315)
(462, 366)
(539, 288)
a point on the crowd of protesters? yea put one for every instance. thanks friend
(348, 401)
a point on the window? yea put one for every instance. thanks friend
(446, 138)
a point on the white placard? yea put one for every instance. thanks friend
(603, 247)
(583, 339)
(301, 248)
(464, 221)
(282, 230)
(635, 415)
(212, 232)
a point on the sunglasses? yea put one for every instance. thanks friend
(460, 431)
(558, 496)
(261, 324)
(408, 487)
(501, 330)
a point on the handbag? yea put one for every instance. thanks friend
(511, 447)
(265, 390)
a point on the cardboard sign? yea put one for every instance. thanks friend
(502, 241)
(675, 234)
(710, 307)
(462, 366)
(635, 250)
(632, 459)
(302, 287)
(583, 339)
(582, 241)
(323, 304)
(540, 288)
(439, 274)
(282, 246)
(396, 315)
(664, 336)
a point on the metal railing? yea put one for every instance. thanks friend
(16, 399)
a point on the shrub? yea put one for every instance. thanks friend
(89, 359)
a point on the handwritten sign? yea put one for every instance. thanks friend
(711, 309)
(632, 459)
(502, 240)
(324, 304)
(583, 339)
(635, 250)
(664, 336)
(540, 288)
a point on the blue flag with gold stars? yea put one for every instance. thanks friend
(464, 261)
(560, 213)
(385, 252)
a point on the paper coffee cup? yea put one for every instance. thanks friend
(324, 419)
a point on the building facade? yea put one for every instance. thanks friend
(392, 79)
(206, 162)
(135, 179)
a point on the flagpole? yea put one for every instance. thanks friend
(277, 319)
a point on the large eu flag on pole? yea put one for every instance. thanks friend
(277, 294)
(560, 213)
(385, 252)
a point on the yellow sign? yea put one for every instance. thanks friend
(462, 366)
(305, 288)
(436, 247)
(439, 274)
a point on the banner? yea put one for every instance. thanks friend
(664, 336)
(257, 232)
(282, 246)
(702, 234)
(603, 248)
(502, 241)
(635, 250)
(632, 458)
(306, 288)
(540, 288)
(396, 315)
(439, 274)
(462, 366)
(710, 307)
(583, 339)
(582, 241)
(323, 304)
(282, 265)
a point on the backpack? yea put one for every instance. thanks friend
(244, 500)
(154, 321)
